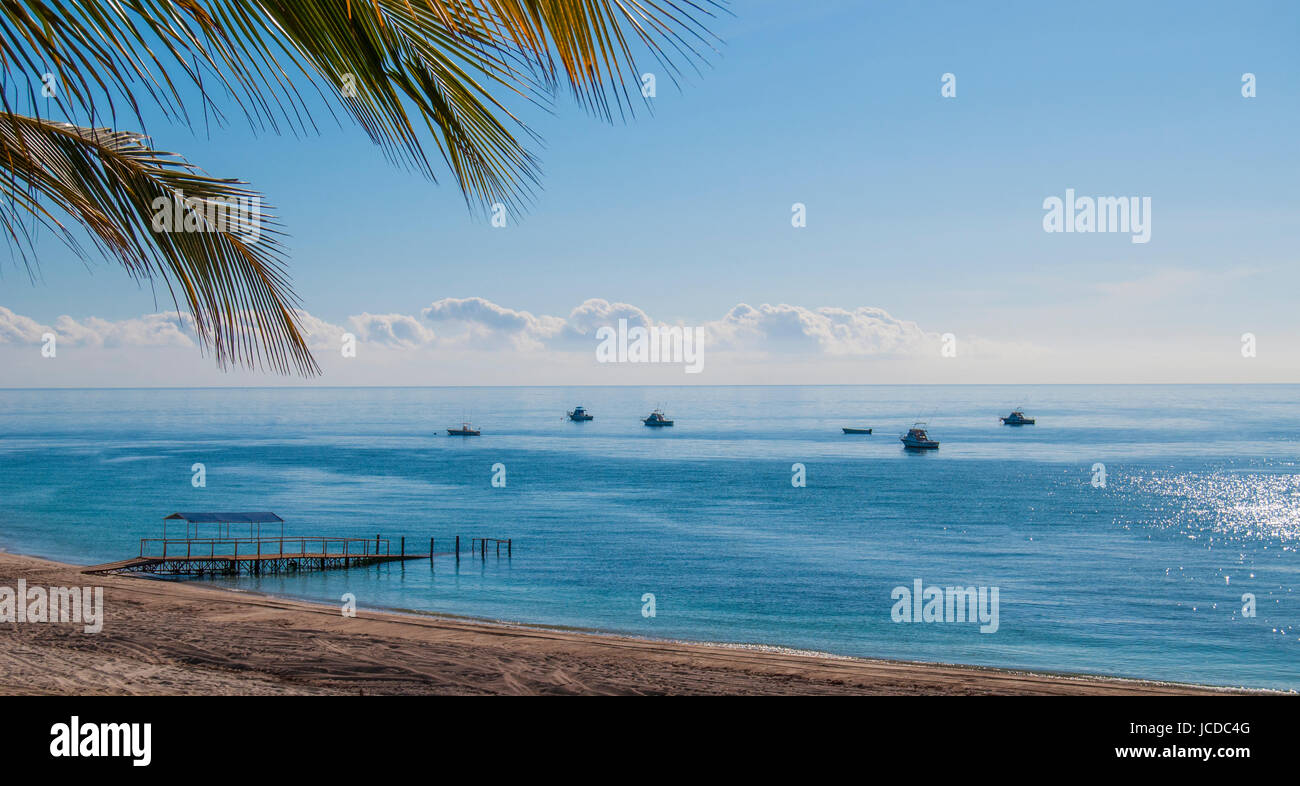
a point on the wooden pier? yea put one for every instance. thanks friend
(255, 556)
(227, 555)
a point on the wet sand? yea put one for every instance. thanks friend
(185, 638)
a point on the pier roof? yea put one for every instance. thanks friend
(247, 517)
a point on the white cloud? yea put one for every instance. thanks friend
(18, 329)
(482, 322)
(319, 333)
(399, 330)
(771, 329)
(827, 330)
(472, 341)
(475, 341)
(151, 330)
(167, 328)
(596, 312)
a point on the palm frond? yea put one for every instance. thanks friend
(377, 58)
(210, 240)
(400, 68)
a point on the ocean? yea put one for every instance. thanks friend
(1183, 566)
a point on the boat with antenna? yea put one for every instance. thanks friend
(657, 419)
(1017, 418)
(916, 438)
(465, 430)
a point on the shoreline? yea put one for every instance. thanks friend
(179, 638)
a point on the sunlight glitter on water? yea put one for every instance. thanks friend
(1239, 506)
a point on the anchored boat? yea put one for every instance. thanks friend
(917, 439)
(1017, 418)
(579, 414)
(657, 419)
(465, 430)
(856, 430)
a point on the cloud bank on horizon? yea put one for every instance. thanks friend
(480, 324)
(459, 330)
(474, 341)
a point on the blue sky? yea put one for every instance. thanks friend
(926, 207)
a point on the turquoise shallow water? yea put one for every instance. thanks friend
(1144, 577)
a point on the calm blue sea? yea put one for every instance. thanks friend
(1143, 578)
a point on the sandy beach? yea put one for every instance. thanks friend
(186, 638)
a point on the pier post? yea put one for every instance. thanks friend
(458, 548)
(376, 544)
(403, 553)
(430, 551)
(510, 547)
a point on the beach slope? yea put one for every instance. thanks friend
(185, 638)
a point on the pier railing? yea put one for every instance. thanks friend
(254, 555)
(192, 548)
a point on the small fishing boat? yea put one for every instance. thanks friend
(855, 430)
(579, 414)
(1017, 418)
(917, 439)
(465, 430)
(657, 418)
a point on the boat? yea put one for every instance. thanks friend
(917, 439)
(579, 414)
(657, 418)
(1017, 418)
(465, 430)
(855, 430)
